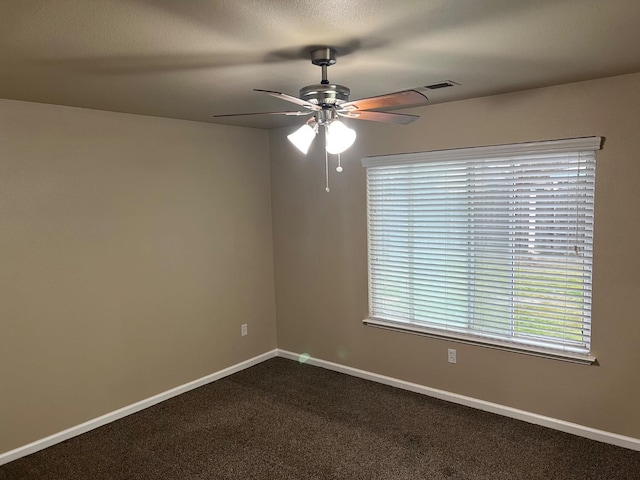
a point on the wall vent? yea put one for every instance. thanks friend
(439, 85)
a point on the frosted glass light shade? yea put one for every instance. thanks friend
(303, 137)
(339, 137)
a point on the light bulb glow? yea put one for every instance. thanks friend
(303, 137)
(339, 137)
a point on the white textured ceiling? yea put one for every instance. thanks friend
(191, 59)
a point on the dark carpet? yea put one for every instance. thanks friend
(284, 420)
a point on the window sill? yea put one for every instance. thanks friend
(471, 340)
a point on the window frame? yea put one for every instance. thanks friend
(574, 145)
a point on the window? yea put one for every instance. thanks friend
(487, 245)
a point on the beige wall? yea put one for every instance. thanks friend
(131, 250)
(321, 261)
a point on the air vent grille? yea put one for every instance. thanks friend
(439, 85)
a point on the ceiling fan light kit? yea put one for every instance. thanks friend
(329, 103)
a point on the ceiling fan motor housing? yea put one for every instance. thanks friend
(325, 95)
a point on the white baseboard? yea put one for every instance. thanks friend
(554, 423)
(128, 410)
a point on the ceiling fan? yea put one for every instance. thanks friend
(328, 103)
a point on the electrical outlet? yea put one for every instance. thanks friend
(243, 329)
(451, 355)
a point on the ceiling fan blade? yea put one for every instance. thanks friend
(294, 113)
(398, 99)
(397, 118)
(289, 98)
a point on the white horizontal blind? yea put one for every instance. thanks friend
(496, 247)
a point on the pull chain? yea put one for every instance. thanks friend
(326, 170)
(339, 167)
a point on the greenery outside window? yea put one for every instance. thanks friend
(486, 245)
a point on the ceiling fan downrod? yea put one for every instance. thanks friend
(323, 57)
